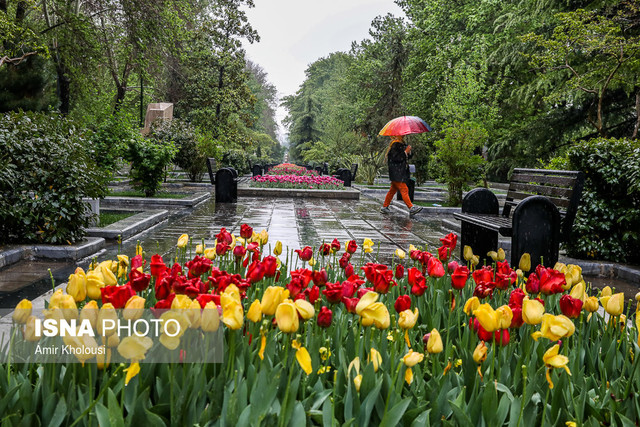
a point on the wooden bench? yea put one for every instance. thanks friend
(538, 214)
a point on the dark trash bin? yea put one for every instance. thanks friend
(226, 185)
(257, 170)
(344, 175)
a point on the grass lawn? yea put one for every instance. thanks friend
(109, 217)
(159, 194)
(431, 204)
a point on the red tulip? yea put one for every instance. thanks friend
(502, 336)
(324, 317)
(312, 294)
(139, 281)
(324, 249)
(239, 251)
(399, 271)
(516, 297)
(224, 236)
(350, 304)
(352, 246)
(222, 248)
(245, 231)
(403, 302)
(459, 277)
(320, 277)
(435, 268)
(485, 274)
(450, 241)
(305, 254)
(333, 292)
(533, 284)
(570, 306)
(157, 265)
(344, 259)
(335, 245)
(516, 320)
(551, 281)
(349, 270)
(203, 299)
(255, 272)
(117, 295)
(451, 267)
(444, 253)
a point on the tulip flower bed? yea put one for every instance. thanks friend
(321, 335)
(301, 182)
(291, 169)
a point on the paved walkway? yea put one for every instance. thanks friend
(296, 222)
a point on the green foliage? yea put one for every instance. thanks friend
(148, 158)
(111, 138)
(454, 161)
(45, 171)
(190, 156)
(607, 225)
(237, 159)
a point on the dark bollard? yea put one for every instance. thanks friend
(226, 185)
(325, 168)
(319, 169)
(257, 170)
(344, 175)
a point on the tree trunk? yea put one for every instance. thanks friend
(220, 84)
(121, 92)
(64, 87)
(635, 128)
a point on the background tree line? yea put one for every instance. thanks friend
(90, 59)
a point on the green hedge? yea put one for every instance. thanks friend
(45, 170)
(607, 225)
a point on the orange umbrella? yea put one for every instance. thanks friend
(405, 125)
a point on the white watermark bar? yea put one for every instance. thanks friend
(102, 336)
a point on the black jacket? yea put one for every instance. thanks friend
(397, 162)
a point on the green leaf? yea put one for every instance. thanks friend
(298, 417)
(59, 414)
(392, 416)
(367, 405)
(461, 417)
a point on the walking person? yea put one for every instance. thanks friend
(398, 155)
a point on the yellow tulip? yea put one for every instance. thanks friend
(471, 305)
(139, 249)
(30, 329)
(555, 327)
(554, 360)
(355, 364)
(367, 245)
(304, 360)
(210, 253)
(23, 311)
(325, 353)
(615, 304)
(77, 285)
(134, 347)
(103, 359)
(487, 317)
(263, 237)
(434, 344)
(263, 345)
(400, 253)
(480, 352)
(277, 250)
(505, 315)
(573, 275)
(467, 253)
(501, 255)
(54, 302)
(181, 302)
(133, 308)
(591, 304)
(123, 264)
(113, 340)
(525, 262)
(287, 317)
(194, 314)
(411, 248)
(408, 318)
(255, 312)
(493, 255)
(174, 325)
(376, 358)
(107, 275)
(107, 312)
(90, 312)
(577, 291)
(475, 260)
(232, 313)
(376, 314)
(131, 371)
(68, 307)
(412, 358)
(183, 241)
(305, 309)
(357, 382)
(210, 317)
(638, 297)
(199, 249)
(606, 291)
(95, 282)
(366, 300)
(84, 347)
(532, 311)
(271, 298)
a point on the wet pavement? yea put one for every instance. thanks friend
(296, 222)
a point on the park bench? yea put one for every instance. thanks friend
(538, 214)
(225, 181)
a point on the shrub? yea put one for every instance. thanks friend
(237, 159)
(110, 140)
(190, 156)
(148, 159)
(45, 171)
(607, 225)
(454, 162)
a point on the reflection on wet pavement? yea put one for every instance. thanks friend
(296, 222)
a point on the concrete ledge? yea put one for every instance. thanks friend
(11, 256)
(152, 202)
(347, 193)
(131, 226)
(83, 249)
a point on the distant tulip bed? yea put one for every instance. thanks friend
(291, 176)
(322, 337)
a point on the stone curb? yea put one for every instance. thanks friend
(88, 247)
(131, 226)
(347, 193)
(11, 256)
(155, 202)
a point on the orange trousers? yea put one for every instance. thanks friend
(404, 192)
